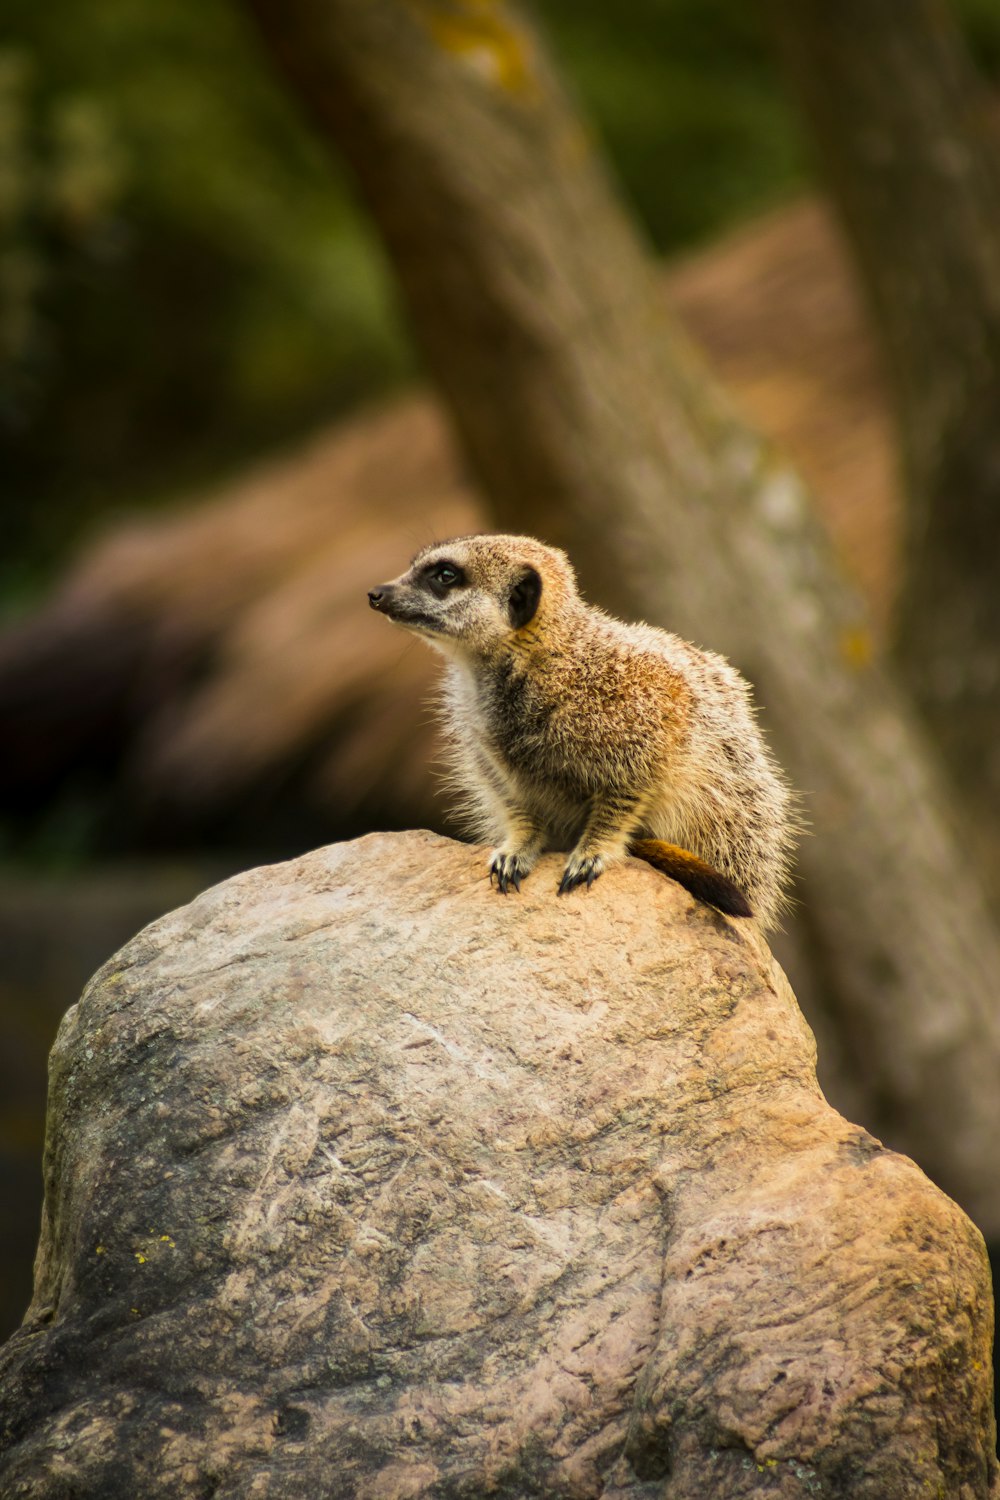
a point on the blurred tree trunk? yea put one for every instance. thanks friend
(902, 129)
(590, 422)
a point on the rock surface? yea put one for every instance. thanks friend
(365, 1182)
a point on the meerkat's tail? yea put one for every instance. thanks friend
(694, 875)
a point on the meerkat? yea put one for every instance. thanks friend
(573, 730)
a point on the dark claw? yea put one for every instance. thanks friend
(585, 873)
(506, 873)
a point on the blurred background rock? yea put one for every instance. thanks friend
(214, 440)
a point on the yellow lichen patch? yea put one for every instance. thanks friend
(98, 1249)
(857, 647)
(483, 36)
(140, 1257)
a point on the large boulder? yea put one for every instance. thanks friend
(363, 1181)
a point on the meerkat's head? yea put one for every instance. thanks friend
(478, 595)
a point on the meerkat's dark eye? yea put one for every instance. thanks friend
(443, 576)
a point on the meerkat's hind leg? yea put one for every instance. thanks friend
(603, 840)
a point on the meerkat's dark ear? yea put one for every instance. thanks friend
(524, 597)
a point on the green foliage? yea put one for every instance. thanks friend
(59, 177)
(981, 22)
(689, 104)
(185, 278)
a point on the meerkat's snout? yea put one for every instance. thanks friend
(379, 596)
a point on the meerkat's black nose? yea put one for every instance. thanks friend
(375, 597)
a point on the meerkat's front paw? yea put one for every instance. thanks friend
(581, 869)
(508, 869)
